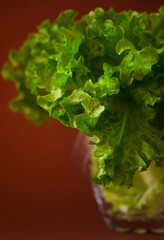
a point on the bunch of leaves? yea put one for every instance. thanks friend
(104, 75)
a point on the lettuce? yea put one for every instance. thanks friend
(144, 199)
(104, 75)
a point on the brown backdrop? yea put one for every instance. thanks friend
(41, 194)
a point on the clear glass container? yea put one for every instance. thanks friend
(123, 209)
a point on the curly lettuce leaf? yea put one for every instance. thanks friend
(104, 75)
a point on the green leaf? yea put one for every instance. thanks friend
(136, 65)
(157, 20)
(66, 18)
(123, 45)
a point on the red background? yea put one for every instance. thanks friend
(41, 194)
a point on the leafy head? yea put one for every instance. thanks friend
(102, 75)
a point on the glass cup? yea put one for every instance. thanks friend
(123, 209)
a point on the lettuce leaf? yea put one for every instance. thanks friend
(104, 75)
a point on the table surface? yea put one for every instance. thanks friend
(42, 195)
